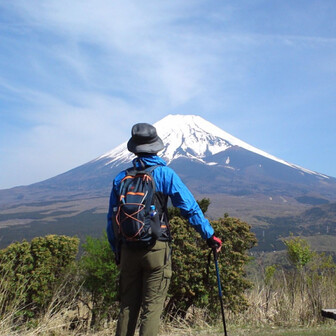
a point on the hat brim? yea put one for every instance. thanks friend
(149, 148)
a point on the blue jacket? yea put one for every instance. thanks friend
(170, 184)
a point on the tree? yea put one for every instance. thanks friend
(100, 278)
(191, 283)
(298, 251)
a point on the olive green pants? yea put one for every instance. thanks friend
(144, 280)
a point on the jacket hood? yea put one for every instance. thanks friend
(149, 160)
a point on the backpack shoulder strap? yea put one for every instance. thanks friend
(133, 172)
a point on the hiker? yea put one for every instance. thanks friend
(145, 256)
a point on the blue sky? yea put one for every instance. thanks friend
(76, 75)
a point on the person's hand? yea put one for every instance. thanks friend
(214, 242)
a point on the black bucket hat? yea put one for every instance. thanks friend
(144, 140)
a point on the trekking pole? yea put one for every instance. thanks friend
(219, 288)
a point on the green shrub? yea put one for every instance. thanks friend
(192, 284)
(30, 272)
(100, 275)
(298, 251)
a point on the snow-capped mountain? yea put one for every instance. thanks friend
(208, 159)
(192, 137)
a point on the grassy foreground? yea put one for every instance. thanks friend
(327, 330)
(283, 301)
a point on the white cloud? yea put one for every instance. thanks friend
(75, 75)
(63, 136)
(143, 40)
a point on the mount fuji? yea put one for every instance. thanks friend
(209, 160)
(238, 178)
(193, 138)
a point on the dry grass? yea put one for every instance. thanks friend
(290, 299)
(287, 304)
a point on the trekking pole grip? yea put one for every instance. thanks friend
(215, 253)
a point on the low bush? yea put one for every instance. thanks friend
(194, 280)
(31, 271)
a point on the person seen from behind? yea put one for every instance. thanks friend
(139, 234)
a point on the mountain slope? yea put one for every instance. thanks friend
(209, 160)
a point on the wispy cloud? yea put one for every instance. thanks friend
(75, 75)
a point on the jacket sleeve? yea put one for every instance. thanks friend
(169, 183)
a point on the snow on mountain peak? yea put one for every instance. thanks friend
(183, 135)
(193, 137)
